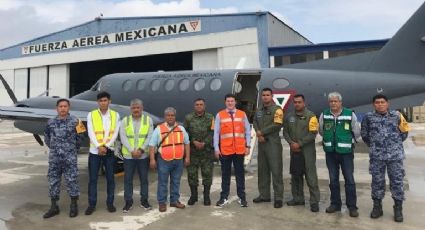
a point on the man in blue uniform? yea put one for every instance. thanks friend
(384, 132)
(63, 135)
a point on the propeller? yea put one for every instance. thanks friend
(13, 97)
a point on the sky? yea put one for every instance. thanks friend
(320, 21)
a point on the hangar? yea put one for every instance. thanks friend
(70, 61)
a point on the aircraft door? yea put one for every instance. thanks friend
(246, 89)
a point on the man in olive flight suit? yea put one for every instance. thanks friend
(300, 130)
(267, 124)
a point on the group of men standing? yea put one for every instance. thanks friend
(170, 146)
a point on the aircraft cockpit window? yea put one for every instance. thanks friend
(199, 84)
(184, 84)
(215, 84)
(169, 84)
(95, 87)
(280, 83)
(155, 84)
(141, 84)
(126, 86)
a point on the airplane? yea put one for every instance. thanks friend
(397, 70)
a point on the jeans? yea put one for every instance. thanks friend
(169, 169)
(94, 165)
(334, 161)
(142, 166)
(226, 169)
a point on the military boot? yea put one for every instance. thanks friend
(53, 211)
(398, 208)
(377, 209)
(207, 200)
(73, 208)
(193, 195)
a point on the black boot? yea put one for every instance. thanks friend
(53, 211)
(193, 195)
(398, 207)
(207, 200)
(377, 209)
(73, 209)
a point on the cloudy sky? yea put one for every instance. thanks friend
(318, 20)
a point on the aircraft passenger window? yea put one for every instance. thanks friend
(155, 84)
(215, 84)
(169, 84)
(280, 83)
(238, 87)
(199, 84)
(126, 86)
(184, 84)
(141, 84)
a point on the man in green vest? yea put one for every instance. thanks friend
(135, 132)
(338, 127)
(268, 122)
(200, 126)
(102, 127)
(300, 130)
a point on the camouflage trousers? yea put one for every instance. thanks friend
(204, 161)
(395, 174)
(66, 165)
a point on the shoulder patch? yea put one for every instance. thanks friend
(278, 116)
(313, 124)
(80, 128)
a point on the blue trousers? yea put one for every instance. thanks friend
(142, 166)
(226, 170)
(169, 169)
(335, 161)
(94, 165)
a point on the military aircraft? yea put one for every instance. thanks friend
(397, 70)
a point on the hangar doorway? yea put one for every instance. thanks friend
(84, 75)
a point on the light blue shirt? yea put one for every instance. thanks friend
(155, 139)
(217, 131)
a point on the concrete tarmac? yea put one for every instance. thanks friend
(24, 196)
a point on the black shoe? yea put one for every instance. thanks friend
(314, 207)
(111, 208)
(278, 204)
(128, 205)
(53, 211)
(243, 203)
(295, 203)
(73, 209)
(90, 210)
(145, 204)
(193, 195)
(207, 199)
(398, 211)
(332, 209)
(222, 202)
(261, 200)
(354, 212)
(377, 209)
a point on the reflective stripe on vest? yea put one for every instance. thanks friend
(232, 133)
(96, 118)
(337, 133)
(173, 145)
(129, 131)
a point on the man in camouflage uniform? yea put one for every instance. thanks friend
(267, 124)
(300, 130)
(63, 135)
(199, 125)
(384, 132)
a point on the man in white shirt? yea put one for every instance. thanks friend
(103, 128)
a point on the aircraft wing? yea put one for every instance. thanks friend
(34, 114)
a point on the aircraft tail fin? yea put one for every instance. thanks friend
(405, 52)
